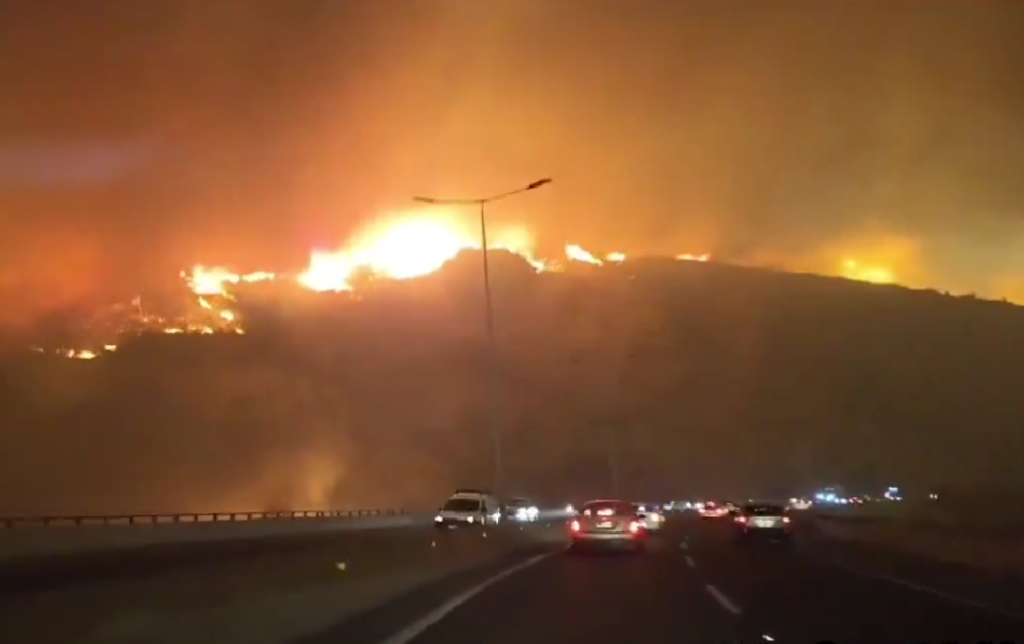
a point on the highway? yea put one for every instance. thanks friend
(696, 585)
(261, 591)
(421, 586)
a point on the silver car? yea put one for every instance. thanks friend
(608, 523)
(650, 515)
(763, 521)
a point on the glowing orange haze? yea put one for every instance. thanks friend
(398, 248)
(402, 248)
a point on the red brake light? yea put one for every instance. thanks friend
(574, 526)
(634, 527)
(741, 519)
(785, 519)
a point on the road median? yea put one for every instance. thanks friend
(271, 597)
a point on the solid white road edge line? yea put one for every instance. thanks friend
(721, 598)
(414, 630)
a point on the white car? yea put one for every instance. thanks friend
(468, 509)
(521, 510)
(650, 516)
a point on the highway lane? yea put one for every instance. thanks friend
(266, 593)
(821, 591)
(563, 597)
(697, 585)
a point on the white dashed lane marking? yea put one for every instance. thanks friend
(723, 600)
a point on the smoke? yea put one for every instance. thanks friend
(385, 401)
(247, 133)
(244, 134)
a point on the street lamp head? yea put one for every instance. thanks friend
(538, 183)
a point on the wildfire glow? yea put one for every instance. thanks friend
(215, 280)
(687, 257)
(853, 270)
(398, 248)
(403, 249)
(576, 253)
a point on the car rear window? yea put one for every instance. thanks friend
(764, 510)
(462, 505)
(608, 507)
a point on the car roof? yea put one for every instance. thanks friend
(596, 501)
(470, 490)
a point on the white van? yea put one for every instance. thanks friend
(468, 508)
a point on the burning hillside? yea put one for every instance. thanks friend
(394, 249)
(207, 303)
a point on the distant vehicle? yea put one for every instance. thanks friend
(712, 510)
(763, 520)
(650, 515)
(520, 509)
(608, 523)
(468, 508)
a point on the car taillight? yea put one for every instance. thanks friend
(574, 526)
(634, 527)
(785, 519)
(741, 519)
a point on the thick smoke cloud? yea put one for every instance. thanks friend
(135, 140)
(684, 379)
(250, 131)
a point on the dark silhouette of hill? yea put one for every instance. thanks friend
(698, 378)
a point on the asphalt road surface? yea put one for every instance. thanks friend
(696, 585)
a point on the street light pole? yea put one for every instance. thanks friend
(492, 357)
(492, 345)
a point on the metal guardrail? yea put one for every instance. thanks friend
(170, 518)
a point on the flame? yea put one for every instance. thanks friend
(576, 253)
(398, 248)
(215, 280)
(411, 246)
(687, 257)
(854, 270)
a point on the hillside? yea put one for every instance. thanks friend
(702, 378)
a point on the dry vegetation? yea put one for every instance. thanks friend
(700, 378)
